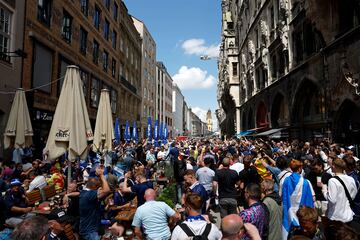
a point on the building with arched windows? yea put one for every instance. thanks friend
(291, 64)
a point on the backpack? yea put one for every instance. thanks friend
(204, 235)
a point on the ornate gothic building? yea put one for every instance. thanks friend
(290, 64)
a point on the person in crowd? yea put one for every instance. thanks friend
(308, 219)
(90, 212)
(111, 179)
(351, 171)
(296, 192)
(282, 162)
(195, 223)
(341, 231)
(57, 221)
(335, 193)
(37, 182)
(153, 218)
(15, 202)
(161, 154)
(233, 228)
(224, 184)
(56, 179)
(257, 213)
(33, 228)
(150, 156)
(192, 185)
(272, 201)
(179, 167)
(317, 176)
(236, 164)
(119, 201)
(142, 184)
(71, 203)
(205, 175)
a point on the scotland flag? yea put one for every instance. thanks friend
(296, 192)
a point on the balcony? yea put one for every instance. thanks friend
(128, 85)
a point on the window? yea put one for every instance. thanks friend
(95, 85)
(113, 67)
(84, 5)
(145, 93)
(95, 52)
(121, 45)
(115, 11)
(114, 96)
(97, 17)
(5, 26)
(105, 60)
(121, 70)
(85, 81)
(83, 40)
(66, 27)
(106, 29)
(42, 67)
(44, 11)
(234, 70)
(107, 3)
(114, 39)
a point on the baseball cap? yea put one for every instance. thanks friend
(59, 215)
(15, 182)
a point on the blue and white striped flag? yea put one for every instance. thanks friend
(296, 192)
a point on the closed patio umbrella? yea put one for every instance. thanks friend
(104, 128)
(18, 129)
(70, 129)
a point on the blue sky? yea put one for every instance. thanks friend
(184, 30)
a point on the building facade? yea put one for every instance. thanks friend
(11, 56)
(178, 101)
(296, 67)
(96, 35)
(186, 120)
(148, 74)
(164, 85)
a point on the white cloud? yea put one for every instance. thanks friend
(201, 113)
(196, 46)
(193, 78)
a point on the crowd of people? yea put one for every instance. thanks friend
(259, 189)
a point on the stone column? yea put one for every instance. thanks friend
(238, 120)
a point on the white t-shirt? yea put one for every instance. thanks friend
(197, 227)
(338, 204)
(37, 182)
(238, 167)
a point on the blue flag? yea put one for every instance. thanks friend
(149, 126)
(165, 135)
(117, 132)
(156, 130)
(135, 136)
(127, 135)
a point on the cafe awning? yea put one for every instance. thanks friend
(274, 133)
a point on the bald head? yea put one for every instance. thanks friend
(150, 194)
(231, 226)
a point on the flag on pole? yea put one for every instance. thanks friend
(161, 131)
(149, 126)
(156, 132)
(166, 134)
(135, 136)
(127, 135)
(117, 131)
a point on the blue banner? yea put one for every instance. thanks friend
(156, 130)
(149, 127)
(135, 136)
(166, 134)
(117, 132)
(161, 131)
(127, 135)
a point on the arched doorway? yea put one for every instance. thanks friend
(346, 124)
(261, 116)
(308, 105)
(279, 112)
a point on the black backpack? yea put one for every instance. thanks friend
(189, 233)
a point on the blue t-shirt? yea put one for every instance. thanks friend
(140, 189)
(199, 189)
(90, 212)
